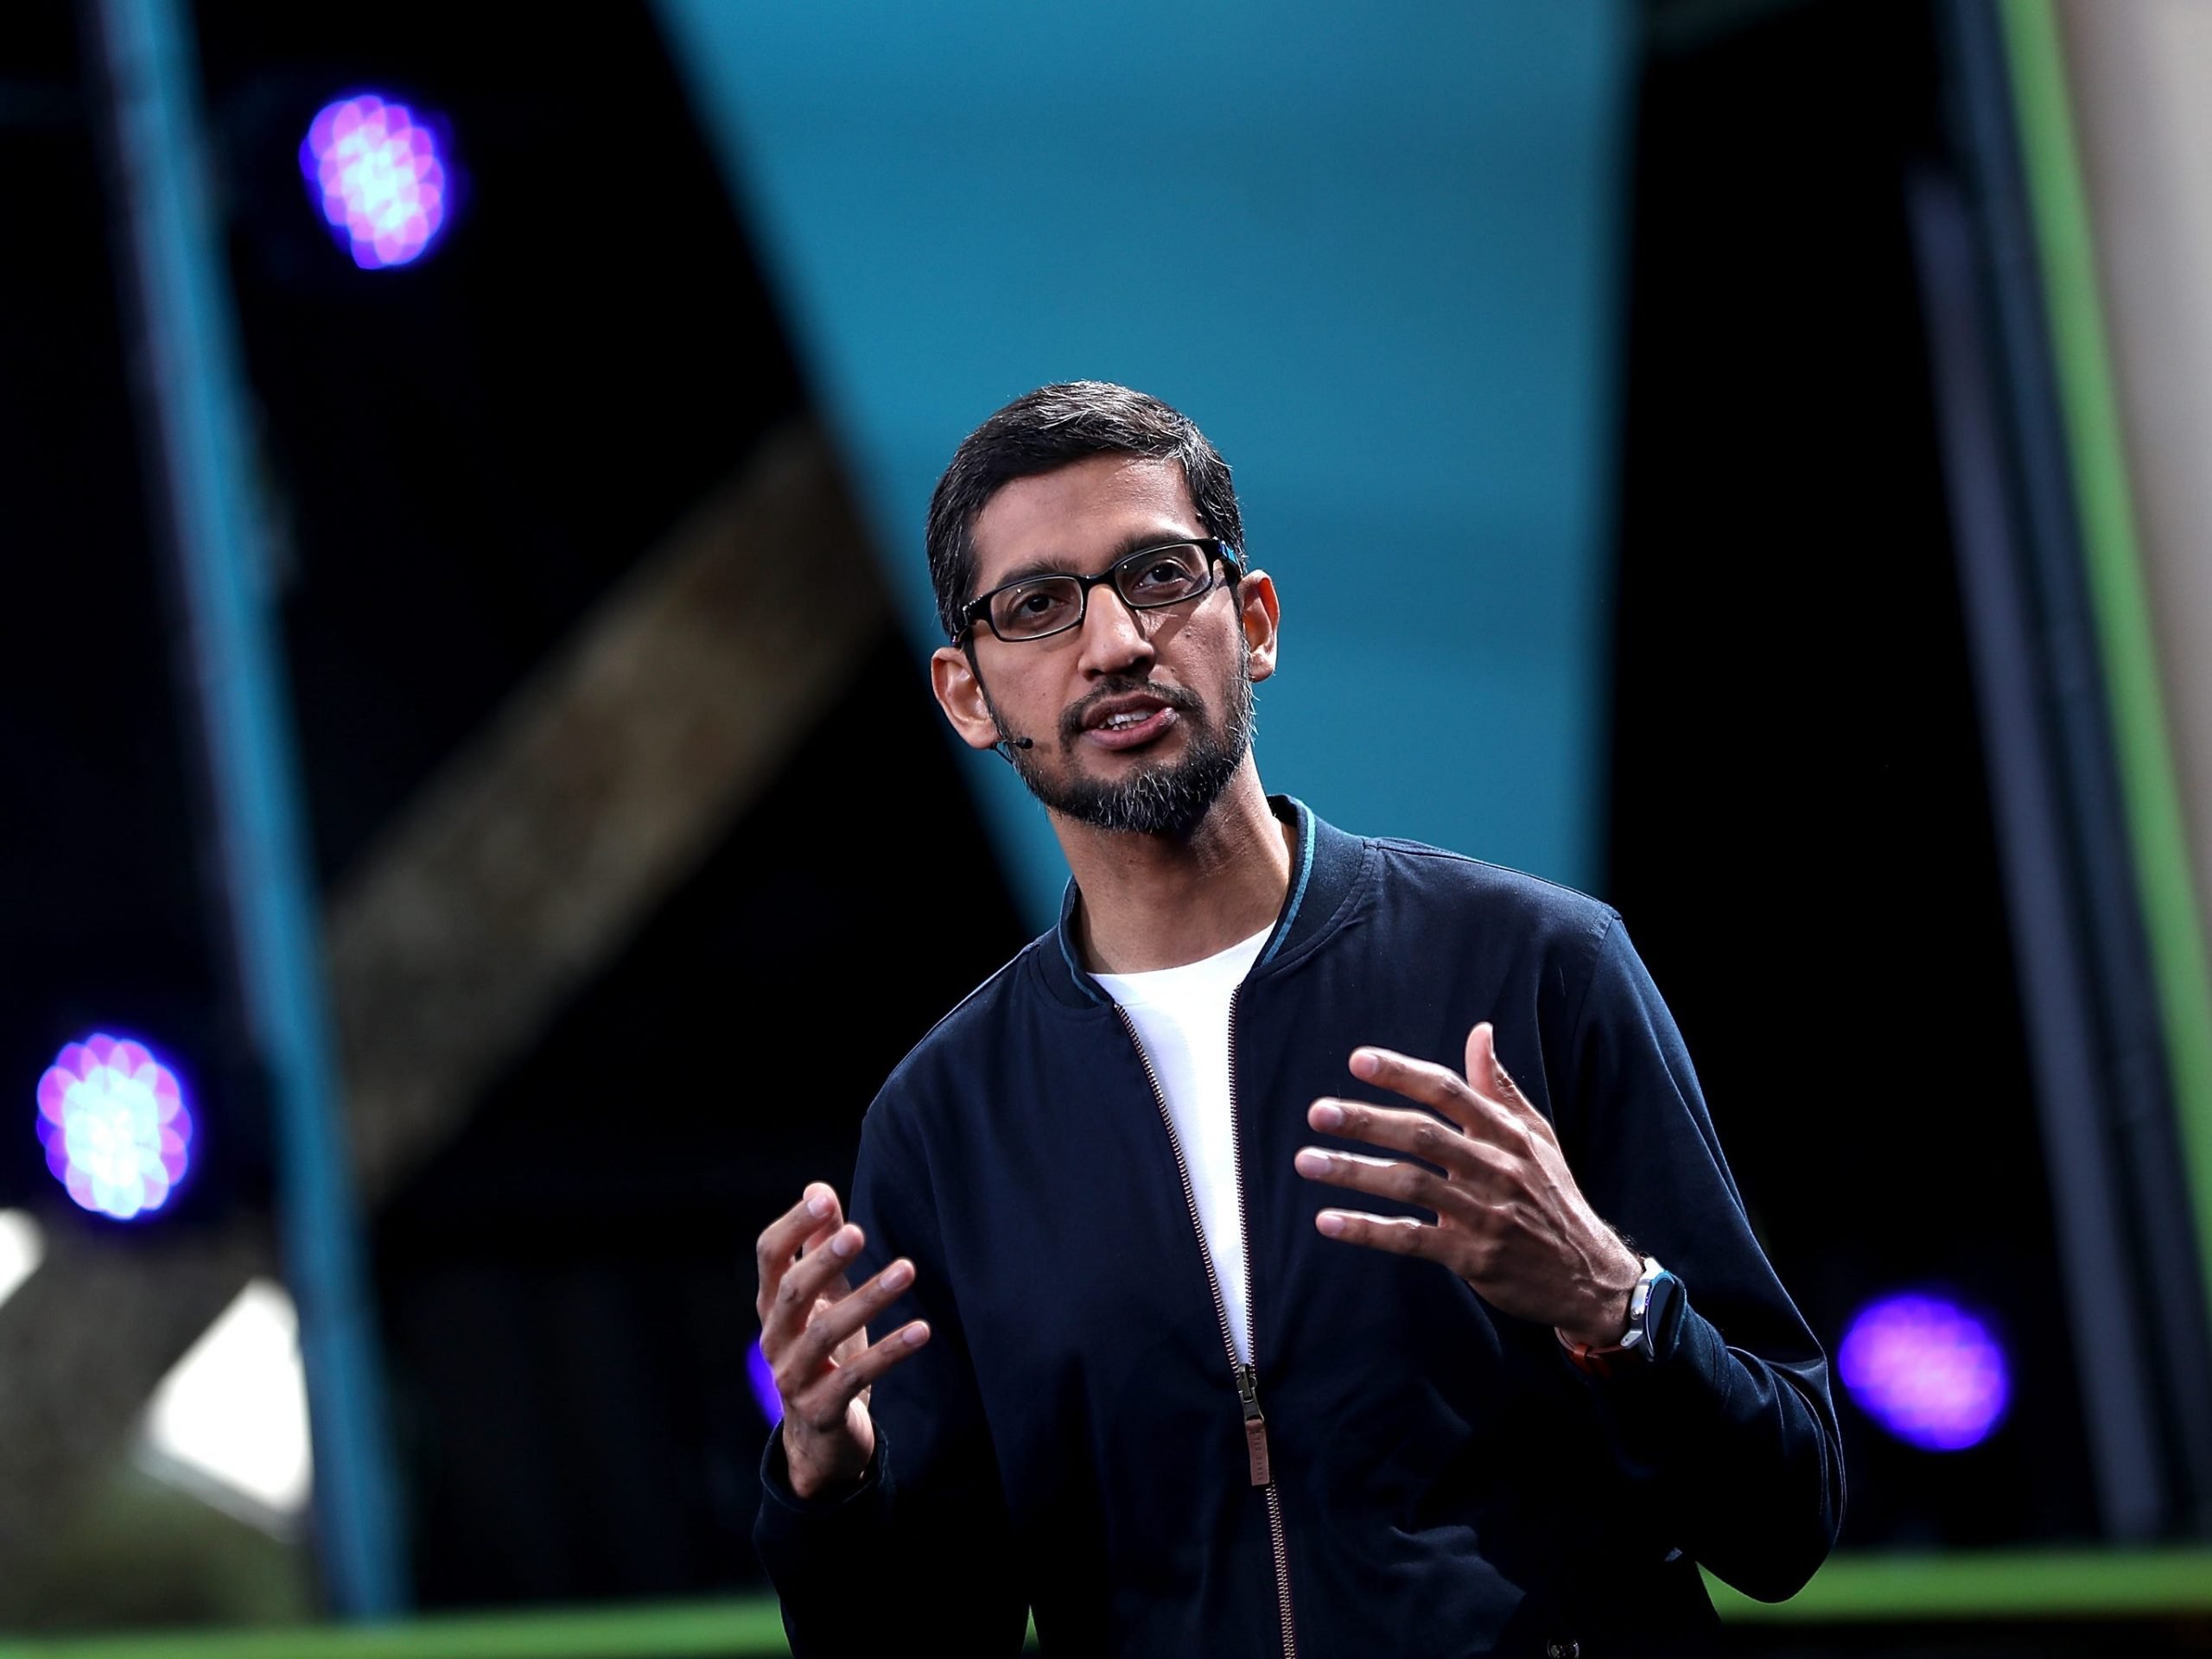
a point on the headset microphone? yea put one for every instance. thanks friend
(1022, 742)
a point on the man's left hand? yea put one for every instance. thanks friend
(1510, 1218)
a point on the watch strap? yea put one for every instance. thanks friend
(1596, 1360)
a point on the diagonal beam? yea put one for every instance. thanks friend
(530, 862)
(515, 874)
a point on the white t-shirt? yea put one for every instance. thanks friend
(1182, 1018)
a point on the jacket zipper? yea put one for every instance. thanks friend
(1247, 1376)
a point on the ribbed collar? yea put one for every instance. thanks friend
(1324, 864)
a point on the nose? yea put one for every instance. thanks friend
(1114, 638)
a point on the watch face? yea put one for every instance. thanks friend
(1659, 1315)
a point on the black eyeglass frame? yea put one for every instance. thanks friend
(979, 607)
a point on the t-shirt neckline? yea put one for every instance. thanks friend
(1149, 984)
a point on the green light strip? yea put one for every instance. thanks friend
(2066, 240)
(2022, 1583)
(679, 1630)
(1850, 1589)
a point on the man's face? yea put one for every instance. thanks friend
(1138, 719)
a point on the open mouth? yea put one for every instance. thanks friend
(1128, 721)
(1128, 729)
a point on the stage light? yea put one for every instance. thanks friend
(114, 1124)
(763, 1379)
(1927, 1371)
(377, 171)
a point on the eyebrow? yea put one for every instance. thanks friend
(1129, 544)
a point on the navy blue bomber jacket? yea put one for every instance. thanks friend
(1441, 1480)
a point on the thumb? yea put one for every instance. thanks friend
(1485, 1071)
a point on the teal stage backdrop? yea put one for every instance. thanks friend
(1373, 250)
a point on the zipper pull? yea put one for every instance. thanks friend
(1256, 1424)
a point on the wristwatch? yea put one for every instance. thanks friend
(1652, 1306)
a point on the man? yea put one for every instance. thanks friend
(1215, 1311)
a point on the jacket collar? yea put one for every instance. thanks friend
(1323, 866)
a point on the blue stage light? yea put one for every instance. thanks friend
(1926, 1370)
(378, 172)
(113, 1121)
(762, 1377)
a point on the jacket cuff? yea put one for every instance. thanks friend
(776, 1485)
(1652, 1406)
(799, 1538)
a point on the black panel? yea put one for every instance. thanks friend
(1802, 834)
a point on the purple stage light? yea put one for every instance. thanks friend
(377, 171)
(763, 1379)
(1927, 1371)
(113, 1122)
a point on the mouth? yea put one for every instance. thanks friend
(1130, 721)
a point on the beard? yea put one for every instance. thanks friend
(1169, 798)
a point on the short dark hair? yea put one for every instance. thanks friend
(1049, 427)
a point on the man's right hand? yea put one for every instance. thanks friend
(814, 1336)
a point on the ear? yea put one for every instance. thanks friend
(960, 694)
(1261, 614)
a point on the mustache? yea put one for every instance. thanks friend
(1182, 701)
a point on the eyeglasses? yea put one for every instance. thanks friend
(1150, 579)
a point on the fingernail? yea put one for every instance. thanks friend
(1311, 1162)
(820, 1206)
(898, 1276)
(1331, 1224)
(1365, 1063)
(1326, 1115)
(915, 1335)
(846, 1240)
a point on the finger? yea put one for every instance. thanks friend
(1445, 1145)
(805, 1225)
(1398, 1234)
(822, 1404)
(817, 1273)
(831, 1326)
(1432, 1085)
(1382, 1177)
(780, 1240)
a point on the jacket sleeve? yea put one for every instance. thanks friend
(1732, 1434)
(921, 1548)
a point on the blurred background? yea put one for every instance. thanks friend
(462, 726)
